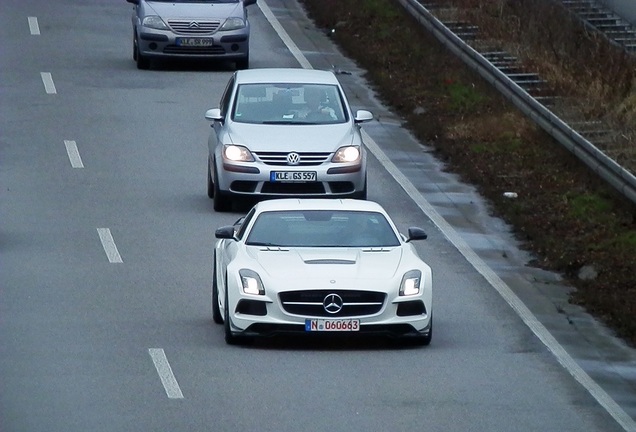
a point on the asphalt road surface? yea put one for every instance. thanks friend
(106, 237)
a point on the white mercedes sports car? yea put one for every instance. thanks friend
(316, 266)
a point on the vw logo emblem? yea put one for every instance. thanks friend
(293, 159)
(333, 303)
(194, 24)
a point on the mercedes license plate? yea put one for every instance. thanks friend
(292, 176)
(314, 325)
(195, 42)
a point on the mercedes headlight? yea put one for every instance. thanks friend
(232, 24)
(251, 282)
(411, 283)
(347, 154)
(154, 22)
(237, 153)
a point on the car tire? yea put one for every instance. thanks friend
(243, 63)
(221, 201)
(210, 182)
(424, 340)
(230, 338)
(216, 310)
(362, 195)
(134, 45)
(143, 62)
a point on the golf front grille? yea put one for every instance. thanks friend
(305, 158)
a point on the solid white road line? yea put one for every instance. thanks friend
(562, 356)
(291, 46)
(165, 373)
(109, 245)
(47, 79)
(33, 26)
(73, 154)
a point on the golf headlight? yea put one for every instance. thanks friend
(251, 282)
(232, 24)
(237, 153)
(411, 283)
(154, 22)
(347, 154)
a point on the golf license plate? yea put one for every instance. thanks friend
(292, 176)
(195, 42)
(320, 325)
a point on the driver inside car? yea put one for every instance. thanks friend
(314, 110)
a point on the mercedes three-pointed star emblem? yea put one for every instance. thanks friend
(332, 303)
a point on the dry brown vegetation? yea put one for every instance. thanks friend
(597, 77)
(564, 214)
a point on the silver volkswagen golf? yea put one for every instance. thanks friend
(285, 132)
(206, 29)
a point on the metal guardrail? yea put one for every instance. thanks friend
(610, 171)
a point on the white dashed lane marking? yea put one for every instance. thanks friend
(109, 245)
(73, 154)
(165, 373)
(34, 28)
(47, 79)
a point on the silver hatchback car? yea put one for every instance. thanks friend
(285, 132)
(205, 29)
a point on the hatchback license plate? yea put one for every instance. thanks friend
(195, 42)
(314, 325)
(292, 176)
